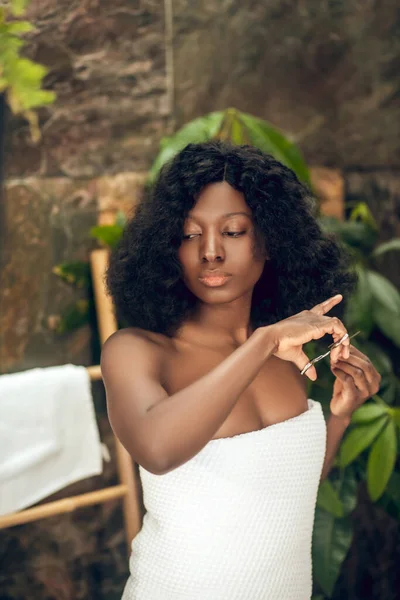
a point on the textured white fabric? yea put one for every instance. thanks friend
(48, 434)
(234, 522)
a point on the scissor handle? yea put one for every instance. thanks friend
(335, 344)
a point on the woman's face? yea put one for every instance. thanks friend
(219, 252)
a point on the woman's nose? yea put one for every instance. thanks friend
(212, 249)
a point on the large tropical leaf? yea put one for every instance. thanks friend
(354, 234)
(381, 361)
(388, 322)
(199, 130)
(381, 461)
(359, 438)
(390, 388)
(368, 412)
(393, 488)
(329, 500)
(395, 414)
(331, 542)
(332, 536)
(359, 306)
(346, 485)
(238, 128)
(269, 139)
(384, 292)
(387, 247)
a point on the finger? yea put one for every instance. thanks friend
(335, 327)
(326, 305)
(358, 360)
(301, 362)
(361, 361)
(356, 352)
(365, 383)
(349, 387)
(370, 365)
(343, 350)
(357, 375)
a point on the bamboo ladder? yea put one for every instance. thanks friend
(128, 489)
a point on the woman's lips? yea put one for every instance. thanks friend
(214, 280)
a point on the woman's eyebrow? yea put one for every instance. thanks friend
(236, 213)
(231, 214)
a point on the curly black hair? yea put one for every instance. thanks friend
(306, 265)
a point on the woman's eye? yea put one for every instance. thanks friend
(234, 233)
(190, 236)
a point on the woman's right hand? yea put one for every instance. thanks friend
(290, 334)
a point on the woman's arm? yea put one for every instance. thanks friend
(162, 432)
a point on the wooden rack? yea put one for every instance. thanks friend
(129, 487)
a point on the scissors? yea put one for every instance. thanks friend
(331, 347)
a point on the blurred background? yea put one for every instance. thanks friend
(127, 75)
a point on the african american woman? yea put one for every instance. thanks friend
(221, 275)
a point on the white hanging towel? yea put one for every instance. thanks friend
(48, 434)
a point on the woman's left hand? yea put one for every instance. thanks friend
(356, 381)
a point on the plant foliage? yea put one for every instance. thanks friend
(20, 78)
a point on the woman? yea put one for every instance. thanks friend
(220, 278)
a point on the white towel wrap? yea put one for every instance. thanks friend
(234, 522)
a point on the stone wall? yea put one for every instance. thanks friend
(126, 73)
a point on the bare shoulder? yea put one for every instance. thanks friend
(131, 366)
(133, 344)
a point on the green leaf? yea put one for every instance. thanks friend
(331, 542)
(354, 234)
(271, 140)
(381, 461)
(377, 355)
(74, 316)
(389, 389)
(393, 488)
(359, 438)
(387, 247)
(201, 129)
(346, 485)
(19, 27)
(107, 234)
(74, 272)
(384, 292)
(238, 128)
(120, 219)
(395, 414)
(388, 322)
(329, 500)
(359, 305)
(367, 413)
(18, 7)
(379, 400)
(362, 212)
(232, 128)
(237, 132)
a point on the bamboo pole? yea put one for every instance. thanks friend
(94, 372)
(108, 325)
(62, 506)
